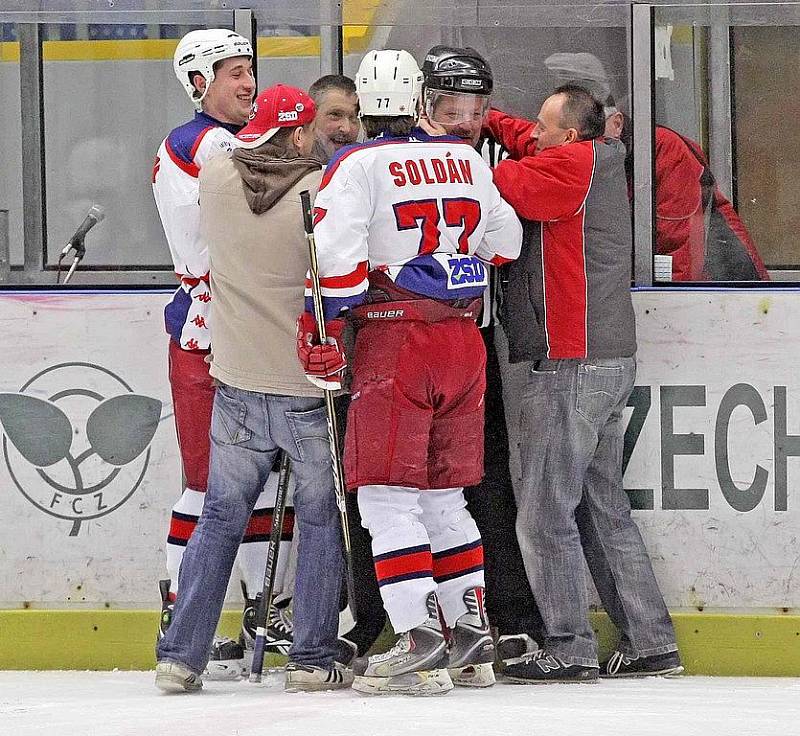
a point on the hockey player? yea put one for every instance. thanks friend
(457, 92)
(404, 226)
(214, 66)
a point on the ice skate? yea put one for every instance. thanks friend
(308, 678)
(167, 607)
(415, 665)
(629, 665)
(512, 648)
(172, 677)
(226, 661)
(471, 649)
(280, 629)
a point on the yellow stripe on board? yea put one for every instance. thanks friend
(9, 51)
(355, 39)
(710, 643)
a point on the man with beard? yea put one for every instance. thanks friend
(336, 123)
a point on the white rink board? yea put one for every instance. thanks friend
(703, 343)
(115, 558)
(694, 346)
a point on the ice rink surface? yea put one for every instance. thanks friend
(127, 704)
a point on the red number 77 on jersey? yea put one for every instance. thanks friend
(427, 213)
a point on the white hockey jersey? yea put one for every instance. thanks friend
(180, 157)
(421, 209)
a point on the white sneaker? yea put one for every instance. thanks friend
(172, 677)
(308, 678)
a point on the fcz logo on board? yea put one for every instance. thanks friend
(77, 440)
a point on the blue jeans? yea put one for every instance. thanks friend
(572, 505)
(247, 430)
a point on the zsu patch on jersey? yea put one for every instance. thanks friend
(463, 271)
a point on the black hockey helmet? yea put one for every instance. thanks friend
(452, 69)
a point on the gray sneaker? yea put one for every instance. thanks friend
(308, 678)
(415, 665)
(471, 646)
(172, 677)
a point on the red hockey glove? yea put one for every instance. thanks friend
(323, 364)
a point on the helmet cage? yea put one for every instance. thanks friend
(454, 108)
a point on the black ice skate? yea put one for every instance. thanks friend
(542, 667)
(471, 648)
(226, 661)
(512, 648)
(280, 630)
(415, 665)
(628, 665)
(167, 607)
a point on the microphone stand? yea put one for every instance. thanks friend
(80, 252)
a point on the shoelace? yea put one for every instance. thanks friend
(280, 620)
(402, 646)
(618, 660)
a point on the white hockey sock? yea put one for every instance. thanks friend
(456, 549)
(401, 551)
(183, 521)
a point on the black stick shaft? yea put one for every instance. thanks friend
(264, 606)
(333, 429)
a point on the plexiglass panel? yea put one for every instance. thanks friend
(287, 53)
(725, 190)
(109, 100)
(11, 140)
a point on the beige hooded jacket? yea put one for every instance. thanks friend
(258, 265)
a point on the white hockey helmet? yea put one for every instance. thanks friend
(388, 83)
(198, 51)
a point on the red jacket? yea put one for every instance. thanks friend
(568, 295)
(684, 184)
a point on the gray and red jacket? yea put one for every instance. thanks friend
(568, 294)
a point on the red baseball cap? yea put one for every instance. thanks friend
(279, 106)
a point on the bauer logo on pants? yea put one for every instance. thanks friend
(77, 440)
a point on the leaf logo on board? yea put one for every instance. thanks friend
(77, 440)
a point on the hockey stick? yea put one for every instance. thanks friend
(265, 604)
(333, 429)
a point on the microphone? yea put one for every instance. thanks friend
(95, 215)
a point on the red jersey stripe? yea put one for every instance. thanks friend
(192, 169)
(415, 562)
(181, 528)
(457, 563)
(261, 523)
(197, 142)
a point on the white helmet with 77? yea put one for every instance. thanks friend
(389, 84)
